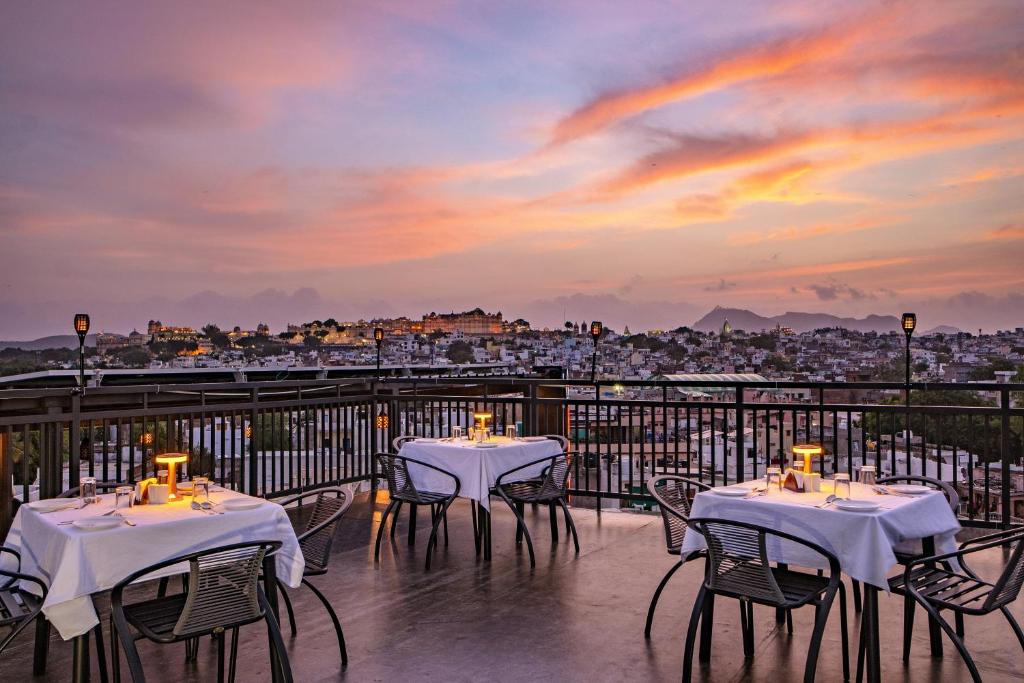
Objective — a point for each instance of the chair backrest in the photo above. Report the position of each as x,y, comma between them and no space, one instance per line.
738,559
556,476
223,589
1007,587
101,487
396,443
673,495
395,470
318,537
562,441
951,494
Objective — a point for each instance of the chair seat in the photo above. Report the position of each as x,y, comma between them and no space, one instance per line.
11,612
530,491
423,497
945,588
796,587
158,615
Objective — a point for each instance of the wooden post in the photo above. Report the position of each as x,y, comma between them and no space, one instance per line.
6,484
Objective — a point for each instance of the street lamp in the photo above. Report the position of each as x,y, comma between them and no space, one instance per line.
596,328
82,329
908,323
378,337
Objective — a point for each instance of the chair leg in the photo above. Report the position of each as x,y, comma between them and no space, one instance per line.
476,525
856,596
288,606
284,667
380,529
821,611
432,542
691,633
707,628
115,656
521,526
747,627
570,524
844,634
553,517
959,620
444,521
521,508
944,625
334,619
908,625
1009,617
657,595
130,651
411,541
234,655
789,621
396,510
219,637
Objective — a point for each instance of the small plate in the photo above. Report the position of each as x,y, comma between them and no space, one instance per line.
98,523
856,505
910,489
731,491
534,439
53,504
246,503
486,445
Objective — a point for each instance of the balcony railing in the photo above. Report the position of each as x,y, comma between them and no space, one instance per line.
274,438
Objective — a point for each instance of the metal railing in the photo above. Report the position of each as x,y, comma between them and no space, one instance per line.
275,438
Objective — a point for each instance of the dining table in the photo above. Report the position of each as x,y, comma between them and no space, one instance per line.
864,540
61,542
478,466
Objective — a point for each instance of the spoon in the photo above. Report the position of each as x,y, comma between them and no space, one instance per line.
828,501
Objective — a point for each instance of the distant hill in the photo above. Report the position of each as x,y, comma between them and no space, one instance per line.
742,319
57,341
943,329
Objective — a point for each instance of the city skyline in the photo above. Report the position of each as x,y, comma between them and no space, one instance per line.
639,164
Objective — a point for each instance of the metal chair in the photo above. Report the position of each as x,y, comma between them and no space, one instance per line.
315,541
932,583
562,441
223,595
673,495
549,488
398,441
402,489
18,607
738,567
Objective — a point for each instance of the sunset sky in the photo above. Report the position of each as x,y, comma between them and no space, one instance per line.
638,162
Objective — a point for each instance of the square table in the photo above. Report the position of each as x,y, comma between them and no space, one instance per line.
864,542
77,564
477,468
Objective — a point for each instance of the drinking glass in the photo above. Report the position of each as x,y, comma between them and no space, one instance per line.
773,477
480,435
456,433
510,431
87,490
842,485
201,489
471,433
123,497
867,475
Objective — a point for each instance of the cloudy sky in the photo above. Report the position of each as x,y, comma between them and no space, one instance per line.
635,161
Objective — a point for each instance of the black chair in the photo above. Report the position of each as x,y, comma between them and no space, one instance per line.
18,607
562,441
673,495
223,595
401,489
315,541
550,488
933,584
738,567
398,441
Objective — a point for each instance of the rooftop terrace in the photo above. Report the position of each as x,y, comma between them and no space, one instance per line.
573,618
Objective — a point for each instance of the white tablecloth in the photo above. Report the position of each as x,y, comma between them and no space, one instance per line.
863,541
476,468
76,563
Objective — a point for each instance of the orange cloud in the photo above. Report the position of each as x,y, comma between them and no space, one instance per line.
1007,232
809,232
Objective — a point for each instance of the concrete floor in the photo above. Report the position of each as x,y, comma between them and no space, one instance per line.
573,618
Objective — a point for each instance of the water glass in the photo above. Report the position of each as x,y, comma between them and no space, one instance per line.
124,497
510,431
87,490
201,489
456,433
842,485
480,435
471,433
867,475
773,477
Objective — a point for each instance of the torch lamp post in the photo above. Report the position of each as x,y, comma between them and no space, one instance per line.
81,329
596,328
908,322
378,338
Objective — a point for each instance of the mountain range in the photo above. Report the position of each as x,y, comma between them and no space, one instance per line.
57,341
748,321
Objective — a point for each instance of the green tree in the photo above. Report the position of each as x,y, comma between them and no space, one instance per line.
459,352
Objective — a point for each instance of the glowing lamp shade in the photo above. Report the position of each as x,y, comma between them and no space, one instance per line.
382,420
596,328
482,418
807,451
908,322
172,460
146,439
378,334
81,324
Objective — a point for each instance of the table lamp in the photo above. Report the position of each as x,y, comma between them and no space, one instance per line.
172,460
482,418
807,451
